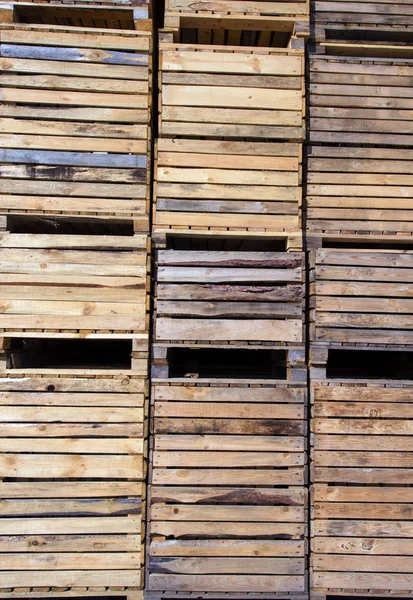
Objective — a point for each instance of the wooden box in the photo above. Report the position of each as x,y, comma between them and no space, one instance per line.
75,121
360,100
365,28
216,92
361,297
83,285
359,191
227,499
229,297
208,183
362,499
72,469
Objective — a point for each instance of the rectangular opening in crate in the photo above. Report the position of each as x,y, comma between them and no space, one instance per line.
367,245
34,353
369,35
370,364
236,244
68,226
224,35
226,363
113,17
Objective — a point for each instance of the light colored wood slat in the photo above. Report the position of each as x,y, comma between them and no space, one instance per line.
226,161
223,529
222,411
227,459
44,398
117,72
226,176
377,581
44,240
70,560
229,583
227,513
115,42
227,565
230,442
228,191
80,98
220,329
70,525
121,577
59,465
72,446
85,144
227,220
229,394
292,476
226,548
72,322
76,414
221,274
71,543
67,489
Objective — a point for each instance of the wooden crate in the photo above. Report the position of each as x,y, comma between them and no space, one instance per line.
227,501
72,471
361,297
359,190
362,499
208,183
360,100
227,297
75,109
215,92
78,284
371,25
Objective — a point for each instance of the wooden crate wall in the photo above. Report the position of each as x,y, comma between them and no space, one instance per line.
74,282
361,296
231,92
366,28
360,101
228,501
228,184
72,470
75,121
361,495
359,190
229,297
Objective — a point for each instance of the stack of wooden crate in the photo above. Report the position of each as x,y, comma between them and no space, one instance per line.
75,158
359,224
227,496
